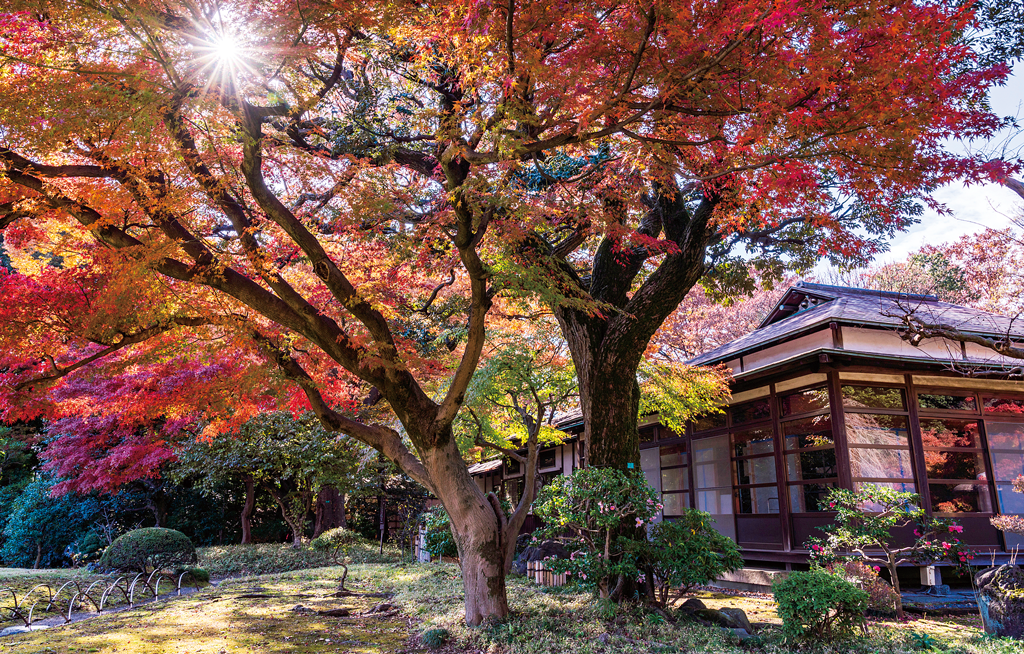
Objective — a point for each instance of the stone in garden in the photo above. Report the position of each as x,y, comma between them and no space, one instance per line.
337,613
718,618
693,604
1001,600
10,631
739,616
940,590
538,552
741,634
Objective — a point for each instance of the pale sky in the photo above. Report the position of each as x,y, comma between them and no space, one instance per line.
975,207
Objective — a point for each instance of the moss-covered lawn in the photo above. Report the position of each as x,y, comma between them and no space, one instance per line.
243,615
253,615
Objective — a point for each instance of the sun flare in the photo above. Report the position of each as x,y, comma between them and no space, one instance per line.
226,50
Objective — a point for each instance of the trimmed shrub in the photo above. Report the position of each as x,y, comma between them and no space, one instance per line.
337,541
819,604
273,558
150,548
687,551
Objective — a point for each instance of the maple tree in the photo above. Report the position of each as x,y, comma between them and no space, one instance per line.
225,208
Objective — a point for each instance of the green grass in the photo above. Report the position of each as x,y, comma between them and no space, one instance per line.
430,597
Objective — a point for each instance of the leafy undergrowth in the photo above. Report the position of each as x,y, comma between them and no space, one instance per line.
272,558
566,620
430,597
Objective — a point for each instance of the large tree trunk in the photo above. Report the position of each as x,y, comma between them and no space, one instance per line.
479,534
247,508
608,347
609,392
330,510
156,500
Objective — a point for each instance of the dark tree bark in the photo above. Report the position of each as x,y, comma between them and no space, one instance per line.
607,349
156,501
294,513
330,510
247,509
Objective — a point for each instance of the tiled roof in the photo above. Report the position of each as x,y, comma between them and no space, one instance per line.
858,307
484,466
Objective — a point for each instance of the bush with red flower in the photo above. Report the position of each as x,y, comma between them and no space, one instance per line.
600,509
864,530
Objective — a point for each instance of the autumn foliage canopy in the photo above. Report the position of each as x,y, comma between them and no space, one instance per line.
211,210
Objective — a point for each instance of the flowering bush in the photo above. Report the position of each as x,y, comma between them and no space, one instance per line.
881,596
598,509
864,524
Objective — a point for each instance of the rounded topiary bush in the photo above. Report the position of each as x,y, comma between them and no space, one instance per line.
150,548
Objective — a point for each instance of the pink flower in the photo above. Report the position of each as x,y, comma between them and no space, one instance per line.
917,533
878,568
583,576
946,545
611,508
639,522
957,528
815,547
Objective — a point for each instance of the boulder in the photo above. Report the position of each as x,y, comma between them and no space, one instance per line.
538,552
693,604
717,618
1001,600
740,634
739,616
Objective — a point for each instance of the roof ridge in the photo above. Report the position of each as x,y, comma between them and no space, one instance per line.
855,290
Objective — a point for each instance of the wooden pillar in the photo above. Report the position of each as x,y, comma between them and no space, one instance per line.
917,447
781,478
835,402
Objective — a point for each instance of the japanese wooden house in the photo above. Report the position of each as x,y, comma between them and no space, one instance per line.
826,393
